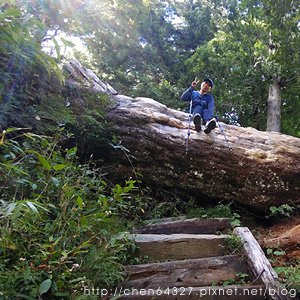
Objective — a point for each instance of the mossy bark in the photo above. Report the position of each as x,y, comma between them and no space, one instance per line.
254,168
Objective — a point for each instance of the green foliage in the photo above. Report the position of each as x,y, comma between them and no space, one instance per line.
288,271
159,47
230,62
290,274
146,58
257,43
284,210
240,279
55,17
25,70
164,209
234,244
59,220
81,114
219,211
275,252
290,113
163,204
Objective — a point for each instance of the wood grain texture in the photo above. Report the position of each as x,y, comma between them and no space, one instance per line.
260,170
185,273
259,264
180,246
193,226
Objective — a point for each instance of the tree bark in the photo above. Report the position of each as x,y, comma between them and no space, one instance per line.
247,166
260,265
274,106
185,273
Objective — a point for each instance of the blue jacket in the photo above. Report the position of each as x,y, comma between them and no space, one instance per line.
203,104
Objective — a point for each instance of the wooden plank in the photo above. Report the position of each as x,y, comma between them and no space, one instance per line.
233,292
189,226
185,273
259,264
163,220
180,246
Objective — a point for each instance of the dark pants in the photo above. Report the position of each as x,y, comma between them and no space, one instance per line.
204,113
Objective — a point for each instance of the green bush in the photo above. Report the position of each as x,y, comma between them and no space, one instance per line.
218,211
59,221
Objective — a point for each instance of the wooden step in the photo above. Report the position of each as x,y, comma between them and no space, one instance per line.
232,292
185,273
189,226
180,246
163,220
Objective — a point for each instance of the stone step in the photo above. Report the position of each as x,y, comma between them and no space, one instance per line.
189,226
180,246
185,273
232,292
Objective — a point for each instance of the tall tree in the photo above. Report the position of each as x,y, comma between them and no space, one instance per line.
143,48
135,50
255,57
196,24
282,18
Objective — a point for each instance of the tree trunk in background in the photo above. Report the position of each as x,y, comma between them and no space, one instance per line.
254,168
274,106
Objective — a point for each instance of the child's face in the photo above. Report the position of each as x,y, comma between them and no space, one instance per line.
205,87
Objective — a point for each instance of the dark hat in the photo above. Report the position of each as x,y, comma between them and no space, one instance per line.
211,83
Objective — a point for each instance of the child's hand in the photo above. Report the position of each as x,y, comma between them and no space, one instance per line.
194,83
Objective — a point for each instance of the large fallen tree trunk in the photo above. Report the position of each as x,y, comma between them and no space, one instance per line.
254,168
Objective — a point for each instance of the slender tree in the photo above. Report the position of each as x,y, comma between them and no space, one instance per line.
282,57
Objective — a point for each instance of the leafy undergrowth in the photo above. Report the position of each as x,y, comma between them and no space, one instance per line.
289,273
281,245
218,211
59,221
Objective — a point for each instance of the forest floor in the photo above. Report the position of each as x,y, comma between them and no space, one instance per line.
285,235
